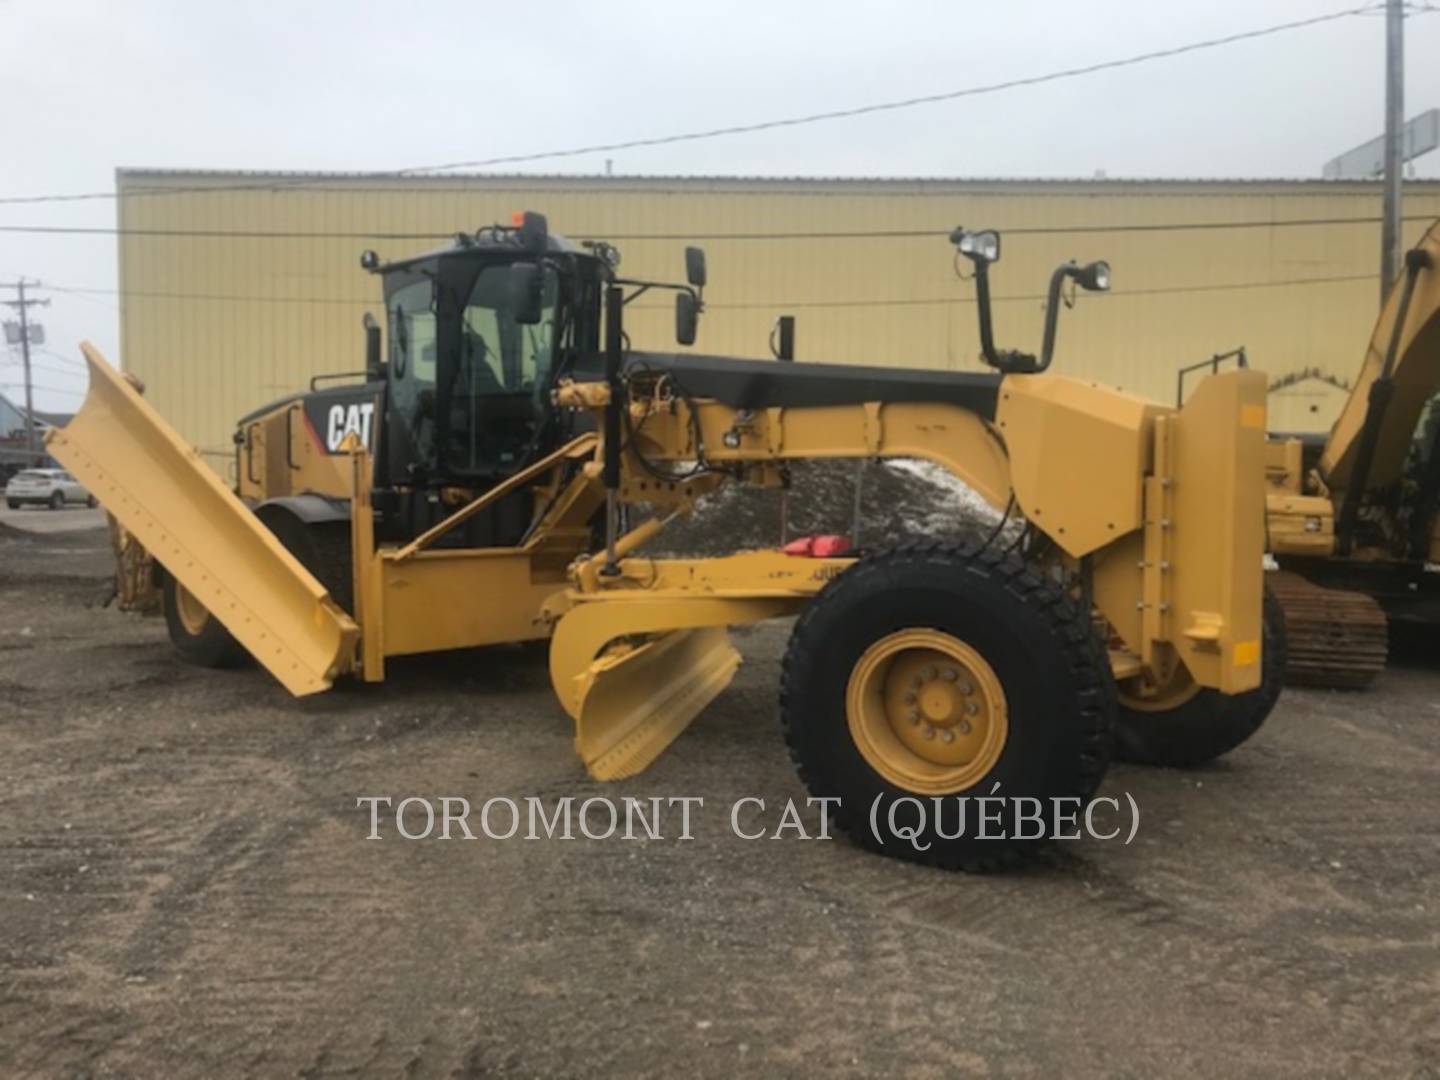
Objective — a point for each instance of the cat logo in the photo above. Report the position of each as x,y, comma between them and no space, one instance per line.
345,419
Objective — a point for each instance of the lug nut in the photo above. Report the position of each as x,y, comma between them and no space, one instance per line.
910,699
971,708
948,735
950,674
930,672
929,732
964,727
966,689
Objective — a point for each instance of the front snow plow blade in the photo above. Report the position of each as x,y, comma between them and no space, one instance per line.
160,490
634,670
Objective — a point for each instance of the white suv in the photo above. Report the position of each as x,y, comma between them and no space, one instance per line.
46,487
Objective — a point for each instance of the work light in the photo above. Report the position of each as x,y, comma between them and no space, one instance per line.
1094,277
983,246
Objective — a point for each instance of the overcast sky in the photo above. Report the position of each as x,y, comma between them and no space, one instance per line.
90,85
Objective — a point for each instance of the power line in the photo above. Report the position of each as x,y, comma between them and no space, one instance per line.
54,369
47,389
1038,297
79,364
805,187
721,306
770,125
846,234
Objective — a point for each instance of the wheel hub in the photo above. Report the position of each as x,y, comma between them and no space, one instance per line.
193,614
926,711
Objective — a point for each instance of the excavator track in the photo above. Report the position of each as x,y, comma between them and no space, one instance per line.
1336,638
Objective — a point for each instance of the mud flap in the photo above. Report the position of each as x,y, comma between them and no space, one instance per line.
634,671
163,493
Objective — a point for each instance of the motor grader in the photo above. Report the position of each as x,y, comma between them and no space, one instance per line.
480,483
1351,519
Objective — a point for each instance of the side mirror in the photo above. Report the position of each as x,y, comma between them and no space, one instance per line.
687,317
374,366
526,293
695,266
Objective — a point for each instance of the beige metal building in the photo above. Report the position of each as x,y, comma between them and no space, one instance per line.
237,287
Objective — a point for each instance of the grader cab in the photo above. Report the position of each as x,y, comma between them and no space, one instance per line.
1116,603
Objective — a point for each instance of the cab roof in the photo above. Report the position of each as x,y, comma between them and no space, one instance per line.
488,240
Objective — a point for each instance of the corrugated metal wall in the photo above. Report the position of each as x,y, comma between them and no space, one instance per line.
219,324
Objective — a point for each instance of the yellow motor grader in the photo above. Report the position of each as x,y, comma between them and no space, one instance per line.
479,484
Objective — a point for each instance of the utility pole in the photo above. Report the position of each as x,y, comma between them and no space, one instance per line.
1394,142
22,304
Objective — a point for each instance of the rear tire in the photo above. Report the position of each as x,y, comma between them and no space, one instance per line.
198,636
1210,723
57,501
13,504
999,635
91,502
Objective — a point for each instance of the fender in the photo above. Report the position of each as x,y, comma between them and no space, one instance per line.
308,507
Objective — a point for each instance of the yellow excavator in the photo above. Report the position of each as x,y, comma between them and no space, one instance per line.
1351,520
479,483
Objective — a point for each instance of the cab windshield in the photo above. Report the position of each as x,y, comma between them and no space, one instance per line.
497,354
469,381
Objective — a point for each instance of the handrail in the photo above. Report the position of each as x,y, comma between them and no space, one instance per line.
571,449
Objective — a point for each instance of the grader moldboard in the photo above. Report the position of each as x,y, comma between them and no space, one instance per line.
469,491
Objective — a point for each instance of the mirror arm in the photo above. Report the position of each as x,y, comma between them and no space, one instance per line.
982,300
642,287
1052,311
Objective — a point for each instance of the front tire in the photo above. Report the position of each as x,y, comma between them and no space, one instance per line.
323,548
198,636
57,501
1208,723
934,671
13,504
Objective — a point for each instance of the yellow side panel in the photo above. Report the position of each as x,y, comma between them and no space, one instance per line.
1299,524
155,485
1078,455
1284,466
1216,541
461,599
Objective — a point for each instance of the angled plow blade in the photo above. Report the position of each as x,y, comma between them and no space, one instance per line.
637,699
151,481
634,671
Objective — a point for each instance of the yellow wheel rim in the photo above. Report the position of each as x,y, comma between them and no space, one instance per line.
193,614
1140,697
926,711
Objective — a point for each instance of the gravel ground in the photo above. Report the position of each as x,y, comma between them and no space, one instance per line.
186,888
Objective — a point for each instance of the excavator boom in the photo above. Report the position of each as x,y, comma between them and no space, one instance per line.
1413,336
